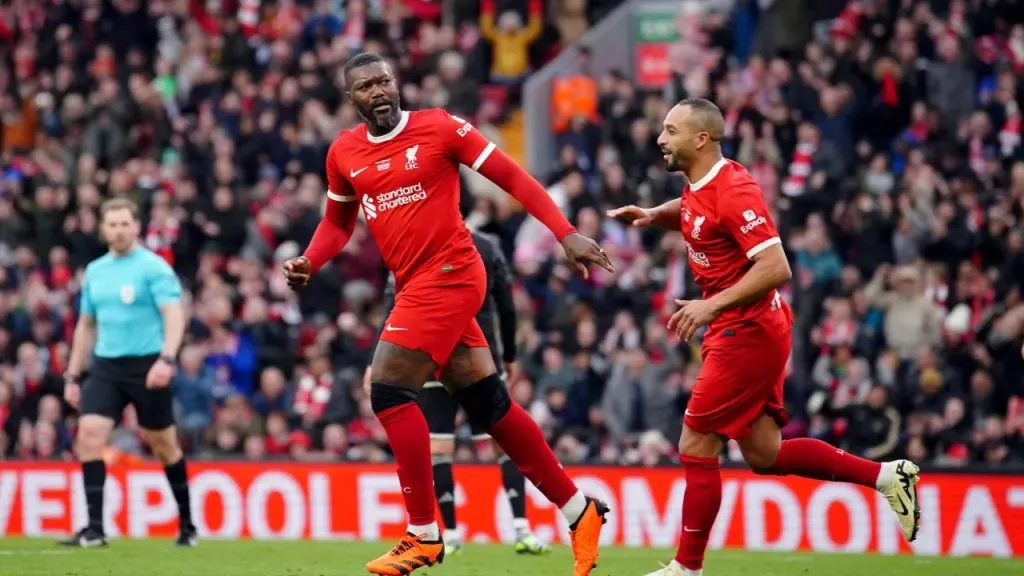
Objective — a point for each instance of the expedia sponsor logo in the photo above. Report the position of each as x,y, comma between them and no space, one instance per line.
752,224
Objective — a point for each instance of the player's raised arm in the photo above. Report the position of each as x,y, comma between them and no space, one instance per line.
334,229
469,147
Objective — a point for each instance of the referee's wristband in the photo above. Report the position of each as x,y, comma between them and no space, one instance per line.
72,378
169,360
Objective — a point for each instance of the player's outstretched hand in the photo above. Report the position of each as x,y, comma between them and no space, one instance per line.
692,314
635,215
581,251
298,271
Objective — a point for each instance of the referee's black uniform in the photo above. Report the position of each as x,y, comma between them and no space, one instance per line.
496,316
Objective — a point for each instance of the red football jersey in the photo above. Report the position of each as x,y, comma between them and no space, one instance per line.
407,183
725,223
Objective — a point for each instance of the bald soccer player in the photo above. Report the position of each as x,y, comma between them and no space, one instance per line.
737,258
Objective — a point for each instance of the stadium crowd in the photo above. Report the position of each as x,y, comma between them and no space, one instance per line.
886,136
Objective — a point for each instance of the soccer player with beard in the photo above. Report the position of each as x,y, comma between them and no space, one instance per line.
401,168
737,258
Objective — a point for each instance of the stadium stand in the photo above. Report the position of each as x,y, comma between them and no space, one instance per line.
887,136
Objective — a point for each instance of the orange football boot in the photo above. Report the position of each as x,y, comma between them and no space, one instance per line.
586,536
410,553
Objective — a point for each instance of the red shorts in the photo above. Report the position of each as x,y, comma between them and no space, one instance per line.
742,379
434,318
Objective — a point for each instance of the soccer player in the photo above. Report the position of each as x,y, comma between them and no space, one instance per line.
441,408
737,258
131,322
402,168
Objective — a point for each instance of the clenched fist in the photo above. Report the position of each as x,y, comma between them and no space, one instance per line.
297,271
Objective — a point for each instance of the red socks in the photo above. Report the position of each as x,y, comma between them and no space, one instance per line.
700,507
805,457
410,442
815,459
523,442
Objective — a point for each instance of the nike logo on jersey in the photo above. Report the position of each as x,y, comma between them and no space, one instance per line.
354,173
391,328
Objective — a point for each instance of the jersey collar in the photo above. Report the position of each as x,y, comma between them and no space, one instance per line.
694,186
394,131
128,252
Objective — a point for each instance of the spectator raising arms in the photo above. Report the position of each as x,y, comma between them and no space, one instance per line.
510,40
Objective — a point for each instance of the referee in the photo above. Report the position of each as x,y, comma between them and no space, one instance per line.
440,408
131,322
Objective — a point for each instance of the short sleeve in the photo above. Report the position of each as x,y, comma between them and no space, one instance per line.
464,143
338,188
744,214
85,304
164,286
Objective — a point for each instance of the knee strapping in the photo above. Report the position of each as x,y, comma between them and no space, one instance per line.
385,396
485,402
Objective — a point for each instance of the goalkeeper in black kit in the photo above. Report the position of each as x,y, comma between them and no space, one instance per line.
497,315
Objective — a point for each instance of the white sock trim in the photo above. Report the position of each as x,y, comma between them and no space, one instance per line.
886,474
520,524
431,530
679,569
575,507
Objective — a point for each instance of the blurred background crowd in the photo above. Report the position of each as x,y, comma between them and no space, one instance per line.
886,135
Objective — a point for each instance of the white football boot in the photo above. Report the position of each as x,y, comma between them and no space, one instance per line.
897,481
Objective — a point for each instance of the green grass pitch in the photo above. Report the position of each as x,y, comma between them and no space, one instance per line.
35,557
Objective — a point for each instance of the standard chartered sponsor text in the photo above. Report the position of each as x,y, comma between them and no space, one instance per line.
400,197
